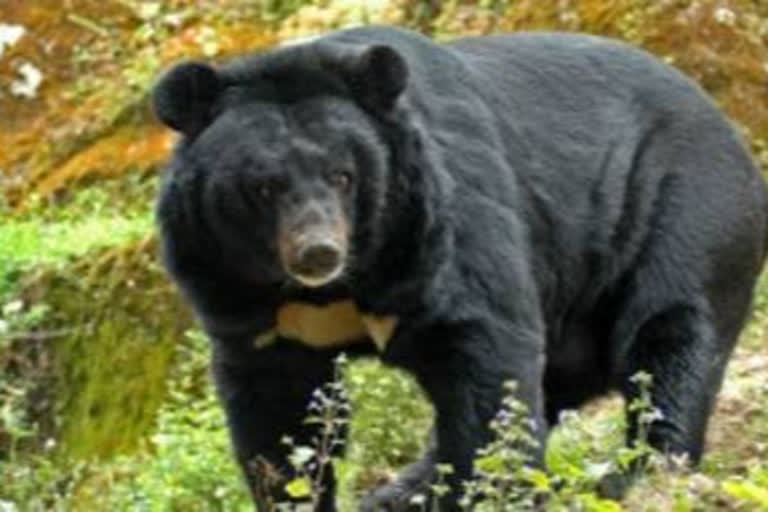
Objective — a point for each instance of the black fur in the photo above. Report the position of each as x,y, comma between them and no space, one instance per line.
183,97
561,210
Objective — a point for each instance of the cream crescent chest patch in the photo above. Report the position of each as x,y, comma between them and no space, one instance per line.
331,325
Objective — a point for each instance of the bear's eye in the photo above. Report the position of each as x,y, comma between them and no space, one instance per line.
341,179
265,190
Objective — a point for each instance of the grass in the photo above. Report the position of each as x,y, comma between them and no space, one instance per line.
55,233
183,465
49,236
38,244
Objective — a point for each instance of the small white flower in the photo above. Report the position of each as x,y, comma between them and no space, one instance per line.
149,10
568,416
13,307
30,81
418,499
208,39
10,35
160,439
174,19
725,16
597,470
302,455
7,506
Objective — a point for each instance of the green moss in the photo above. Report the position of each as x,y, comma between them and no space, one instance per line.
121,321
53,232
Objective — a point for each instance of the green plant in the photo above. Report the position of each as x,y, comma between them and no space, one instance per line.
40,483
53,232
587,455
391,416
581,455
504,479
186,462
329,413
16,328
751,490
639,455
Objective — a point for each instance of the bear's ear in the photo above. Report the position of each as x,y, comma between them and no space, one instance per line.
183,96
376,74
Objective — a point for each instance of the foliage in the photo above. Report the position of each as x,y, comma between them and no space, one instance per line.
390,415
38,483
505,480
54,231
35,241
578,460
59,371
752,490
184,464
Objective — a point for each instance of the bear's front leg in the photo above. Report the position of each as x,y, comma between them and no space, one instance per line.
463,368
265,397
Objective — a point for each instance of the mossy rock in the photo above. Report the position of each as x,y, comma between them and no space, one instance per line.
120,321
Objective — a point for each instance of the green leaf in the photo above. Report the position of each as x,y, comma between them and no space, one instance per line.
592,503
539,479
490,464
747,491
299,488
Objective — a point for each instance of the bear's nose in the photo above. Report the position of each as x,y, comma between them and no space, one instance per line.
319,258
317,263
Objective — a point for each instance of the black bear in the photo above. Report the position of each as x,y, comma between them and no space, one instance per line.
558,210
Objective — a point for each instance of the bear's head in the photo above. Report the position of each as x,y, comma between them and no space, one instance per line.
283,165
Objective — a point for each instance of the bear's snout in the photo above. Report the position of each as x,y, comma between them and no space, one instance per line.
313,243
316,263
317,259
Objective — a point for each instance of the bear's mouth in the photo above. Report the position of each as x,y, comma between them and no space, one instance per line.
318,281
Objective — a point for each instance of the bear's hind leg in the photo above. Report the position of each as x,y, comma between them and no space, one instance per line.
682,351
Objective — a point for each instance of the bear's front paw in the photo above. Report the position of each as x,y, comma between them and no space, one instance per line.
410,491
615,485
